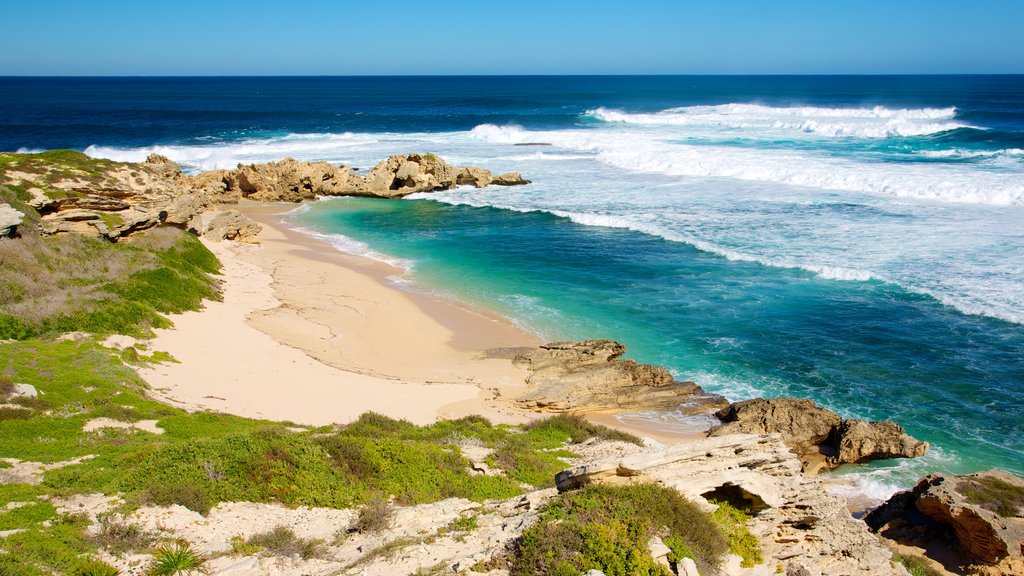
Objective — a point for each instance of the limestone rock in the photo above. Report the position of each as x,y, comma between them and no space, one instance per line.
940,510
226,225
795,520
818,436
589,376
163,166
860,441
469,175
510,179
10,219
407,174
286,181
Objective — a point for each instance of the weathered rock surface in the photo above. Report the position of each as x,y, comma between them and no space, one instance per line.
590,376
799,525
77,194
225,225
818,436
940,510
10,219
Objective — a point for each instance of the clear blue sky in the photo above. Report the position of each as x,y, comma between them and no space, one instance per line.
211,37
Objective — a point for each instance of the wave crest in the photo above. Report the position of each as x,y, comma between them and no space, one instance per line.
876,122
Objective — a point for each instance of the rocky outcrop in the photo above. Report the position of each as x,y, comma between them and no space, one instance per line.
799,525
225,225
818,436
10,219
589,376
76,194
981,515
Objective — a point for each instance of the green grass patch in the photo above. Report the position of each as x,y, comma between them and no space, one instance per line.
73,283
607,528
281,541
995,494
916,566
733,523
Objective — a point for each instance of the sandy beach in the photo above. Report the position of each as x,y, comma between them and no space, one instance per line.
308,334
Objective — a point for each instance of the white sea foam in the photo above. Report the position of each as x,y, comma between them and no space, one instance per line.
352,246
329,147
655,153
877,122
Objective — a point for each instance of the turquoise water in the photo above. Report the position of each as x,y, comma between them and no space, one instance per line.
855,239
865,349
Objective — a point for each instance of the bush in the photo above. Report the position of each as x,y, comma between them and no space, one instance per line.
118,536
190,496
282,541
607,528
742,543
579,429
916,566
376,515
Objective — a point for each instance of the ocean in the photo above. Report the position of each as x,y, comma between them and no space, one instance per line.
857,240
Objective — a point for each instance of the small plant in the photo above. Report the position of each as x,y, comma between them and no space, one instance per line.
461,524
375,516
178,559
6,389
281,541
742,543
93,567
916,566
117,535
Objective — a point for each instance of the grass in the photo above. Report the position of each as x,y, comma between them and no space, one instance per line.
916,566
281,541
607,528
177,559
73,283
118,536
92,567
995,494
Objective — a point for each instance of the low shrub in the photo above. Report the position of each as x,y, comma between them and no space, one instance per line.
282,541
177,559
188,495
742,543
93,567
119,536
916,566
995,494
579,429
607,528
376,515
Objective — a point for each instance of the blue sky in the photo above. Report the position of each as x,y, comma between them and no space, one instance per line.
210,37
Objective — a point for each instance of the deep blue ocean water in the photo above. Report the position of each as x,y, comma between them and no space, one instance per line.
856,240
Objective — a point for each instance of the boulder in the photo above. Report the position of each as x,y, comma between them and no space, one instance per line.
226,225
472,176
981,514
286,181
821,438
509,179
163,166
10,219
590,376
402,175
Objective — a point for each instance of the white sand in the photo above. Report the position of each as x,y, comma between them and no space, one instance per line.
313,336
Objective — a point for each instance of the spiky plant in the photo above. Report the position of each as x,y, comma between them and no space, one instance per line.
178,559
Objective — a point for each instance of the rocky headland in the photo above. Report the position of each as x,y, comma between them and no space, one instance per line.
500,490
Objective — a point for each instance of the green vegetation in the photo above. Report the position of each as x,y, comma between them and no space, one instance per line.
916,566
91,567
995,494
376,515
178,559
281,541
72,283
607,528
742,543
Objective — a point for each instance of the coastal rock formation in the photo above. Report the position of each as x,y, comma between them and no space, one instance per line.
73,193
800,527
818,436
10,219
225,225
590,376
981,515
